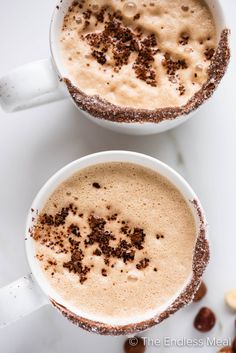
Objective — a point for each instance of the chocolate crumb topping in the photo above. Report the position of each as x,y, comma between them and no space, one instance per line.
209,53
87,14
160,236
184,38
77,255
172,66
101,108
125,229
106,261
143,264
185,8
137,238
143,63
97,252
86,24
113,217
104,272
47,219
136,17
74,230
96,185
68,240
75,265
123,42
99,56
100,16
60,217
52,262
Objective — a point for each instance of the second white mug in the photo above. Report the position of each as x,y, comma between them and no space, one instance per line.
33,291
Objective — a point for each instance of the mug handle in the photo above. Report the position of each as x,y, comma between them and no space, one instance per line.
30,85
19,299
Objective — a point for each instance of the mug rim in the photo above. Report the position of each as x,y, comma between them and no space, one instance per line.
200,252
112,115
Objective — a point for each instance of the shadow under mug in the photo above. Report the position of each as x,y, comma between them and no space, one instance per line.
34,291
42,82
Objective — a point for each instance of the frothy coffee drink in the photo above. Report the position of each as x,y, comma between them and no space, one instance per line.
116,241
143,54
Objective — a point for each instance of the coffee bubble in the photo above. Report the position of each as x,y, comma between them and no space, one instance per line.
188,50
130,9
199,67
95,6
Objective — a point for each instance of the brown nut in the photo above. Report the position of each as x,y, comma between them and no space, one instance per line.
234,345
230,299
200,293
226,349
205,320
134,345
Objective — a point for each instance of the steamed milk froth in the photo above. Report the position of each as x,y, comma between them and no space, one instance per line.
116,240
140,54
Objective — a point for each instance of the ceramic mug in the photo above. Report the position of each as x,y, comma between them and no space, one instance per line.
34,291
42,82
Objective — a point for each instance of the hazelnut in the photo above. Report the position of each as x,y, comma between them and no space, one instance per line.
205,320
230,299
226,349
234,345
200,293
134,345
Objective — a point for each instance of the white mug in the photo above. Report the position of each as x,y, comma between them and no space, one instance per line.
34,291
41,82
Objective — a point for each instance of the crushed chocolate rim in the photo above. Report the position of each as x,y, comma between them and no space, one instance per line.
102,109
201,258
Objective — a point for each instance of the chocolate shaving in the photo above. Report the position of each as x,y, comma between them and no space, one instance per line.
209,53
100,15
184,38
96,185
123,42
143,264
98,235
87,14
74,230
136,17
99,56
60,217
137,238
172,66
185,8
47,219
104,272
97,252
75,265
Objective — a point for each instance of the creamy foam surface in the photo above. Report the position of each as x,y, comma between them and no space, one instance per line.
132,264
130,71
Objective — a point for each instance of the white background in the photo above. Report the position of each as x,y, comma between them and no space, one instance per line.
36,143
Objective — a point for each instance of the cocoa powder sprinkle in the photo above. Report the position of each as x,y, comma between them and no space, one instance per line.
101,108
67,240
122,42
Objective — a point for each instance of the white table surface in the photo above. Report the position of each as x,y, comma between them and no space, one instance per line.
36,143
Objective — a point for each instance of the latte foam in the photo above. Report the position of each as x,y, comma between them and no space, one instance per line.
116,241
140,54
